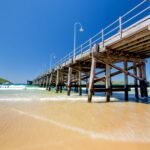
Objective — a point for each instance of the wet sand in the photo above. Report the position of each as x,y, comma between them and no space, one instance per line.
72,125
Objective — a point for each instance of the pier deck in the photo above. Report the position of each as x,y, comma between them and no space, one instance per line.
125,41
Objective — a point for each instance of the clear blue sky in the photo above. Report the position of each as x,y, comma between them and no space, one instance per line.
30,30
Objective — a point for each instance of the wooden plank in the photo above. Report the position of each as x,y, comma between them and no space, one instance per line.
113,89
134,43
138,46
130,39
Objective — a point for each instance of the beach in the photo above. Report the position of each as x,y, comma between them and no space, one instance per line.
38,119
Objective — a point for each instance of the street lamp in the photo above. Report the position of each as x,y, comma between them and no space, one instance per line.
81,30
52,56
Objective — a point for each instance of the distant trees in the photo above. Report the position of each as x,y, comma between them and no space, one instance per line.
2,81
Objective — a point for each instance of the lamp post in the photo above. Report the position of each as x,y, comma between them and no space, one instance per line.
81,30
52,56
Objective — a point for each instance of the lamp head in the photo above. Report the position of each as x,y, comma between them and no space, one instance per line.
81,29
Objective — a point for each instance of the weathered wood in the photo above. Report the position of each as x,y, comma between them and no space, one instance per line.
69,81
61,81
141,83
143,69
112,74
91,82
108,83
118,68
50,81
57,80
112,89
80,88
135,80
47,82
126,80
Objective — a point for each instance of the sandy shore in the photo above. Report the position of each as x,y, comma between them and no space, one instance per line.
36,125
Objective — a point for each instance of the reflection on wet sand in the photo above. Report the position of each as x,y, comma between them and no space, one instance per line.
36,125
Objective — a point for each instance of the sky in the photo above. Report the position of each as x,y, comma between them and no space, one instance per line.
33,30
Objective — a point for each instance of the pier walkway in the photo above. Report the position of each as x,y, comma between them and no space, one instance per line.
120,48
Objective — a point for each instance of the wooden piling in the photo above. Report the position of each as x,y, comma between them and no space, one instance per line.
50,81
80,88
143,69
126,80
135,81
57,81
69,81
61,81
108,83
140,76
91,81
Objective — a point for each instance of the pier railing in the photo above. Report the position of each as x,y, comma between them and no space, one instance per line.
140,11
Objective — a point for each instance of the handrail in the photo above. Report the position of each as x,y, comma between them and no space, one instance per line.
101,36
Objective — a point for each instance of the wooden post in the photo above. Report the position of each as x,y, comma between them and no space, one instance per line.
92,74
57,81
91,82
80,88
145,92
42,81
77,83
141,83
126,80
108,83
135,81
60,84
69,81
47,82
87,84
50,81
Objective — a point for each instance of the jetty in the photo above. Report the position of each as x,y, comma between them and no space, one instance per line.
121,48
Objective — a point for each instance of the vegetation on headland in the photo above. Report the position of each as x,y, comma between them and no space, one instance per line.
2,81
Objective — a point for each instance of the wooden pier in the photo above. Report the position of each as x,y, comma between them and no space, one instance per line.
126,41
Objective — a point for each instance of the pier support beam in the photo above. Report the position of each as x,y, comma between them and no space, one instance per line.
69,81
61,81
57,80
141,82
80,88
108,83
135,81
50,81
91,82
126,80
144,82
87,85
47,82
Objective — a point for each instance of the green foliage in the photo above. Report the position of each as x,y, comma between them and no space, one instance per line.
3,81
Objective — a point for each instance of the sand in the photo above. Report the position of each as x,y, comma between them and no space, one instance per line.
72,125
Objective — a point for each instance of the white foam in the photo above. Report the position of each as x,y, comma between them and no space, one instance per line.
15,99
121,136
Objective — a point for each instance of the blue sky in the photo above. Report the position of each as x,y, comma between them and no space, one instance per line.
30,30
